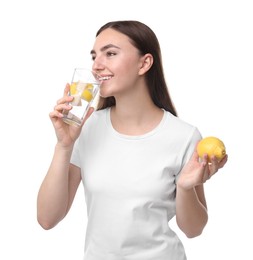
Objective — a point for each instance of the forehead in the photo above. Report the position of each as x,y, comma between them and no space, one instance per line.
112,37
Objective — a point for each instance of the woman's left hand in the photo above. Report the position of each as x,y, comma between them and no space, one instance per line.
197,172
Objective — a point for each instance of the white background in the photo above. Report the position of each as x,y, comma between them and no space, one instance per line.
208,60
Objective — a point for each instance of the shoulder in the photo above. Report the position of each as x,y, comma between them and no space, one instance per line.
100,114
178,123
180,128
95,124
96,118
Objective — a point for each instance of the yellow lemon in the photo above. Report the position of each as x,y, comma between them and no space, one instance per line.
89,86
211,146
87,95
73,88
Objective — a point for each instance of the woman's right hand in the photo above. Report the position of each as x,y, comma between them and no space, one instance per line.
66,134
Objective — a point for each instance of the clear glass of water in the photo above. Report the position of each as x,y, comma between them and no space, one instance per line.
84,88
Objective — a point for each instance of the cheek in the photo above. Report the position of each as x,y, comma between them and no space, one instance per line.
128,74
127,66
108,89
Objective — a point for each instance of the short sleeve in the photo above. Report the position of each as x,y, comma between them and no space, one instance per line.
196,136
189,148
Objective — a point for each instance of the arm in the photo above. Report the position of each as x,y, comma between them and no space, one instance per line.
58,189
191,208
60,184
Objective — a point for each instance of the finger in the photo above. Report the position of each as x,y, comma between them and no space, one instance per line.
61,107
214,165
66,90
223,161
65,99
55,114
205,171
204,158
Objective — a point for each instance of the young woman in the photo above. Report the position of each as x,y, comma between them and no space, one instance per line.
136,159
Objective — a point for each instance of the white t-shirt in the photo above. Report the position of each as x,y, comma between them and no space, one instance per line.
129,184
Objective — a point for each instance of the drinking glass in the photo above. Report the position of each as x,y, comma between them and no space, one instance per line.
84,88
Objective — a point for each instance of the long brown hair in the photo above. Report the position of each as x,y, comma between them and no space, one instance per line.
145,40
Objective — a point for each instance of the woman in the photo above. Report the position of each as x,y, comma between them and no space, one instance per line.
137,160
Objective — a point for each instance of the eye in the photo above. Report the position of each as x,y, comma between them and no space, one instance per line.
93,57
110,53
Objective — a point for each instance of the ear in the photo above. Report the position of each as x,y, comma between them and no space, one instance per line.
145,63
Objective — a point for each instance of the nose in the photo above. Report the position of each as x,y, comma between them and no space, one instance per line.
98,64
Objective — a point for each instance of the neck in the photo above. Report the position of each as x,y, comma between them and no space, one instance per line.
136,115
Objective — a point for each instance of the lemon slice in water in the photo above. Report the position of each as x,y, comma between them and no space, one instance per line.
87,95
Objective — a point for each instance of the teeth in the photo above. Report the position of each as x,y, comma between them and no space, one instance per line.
104,78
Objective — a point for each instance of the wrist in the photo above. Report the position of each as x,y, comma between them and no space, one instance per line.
63,147
184,188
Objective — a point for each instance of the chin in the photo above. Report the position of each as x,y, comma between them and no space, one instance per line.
105,94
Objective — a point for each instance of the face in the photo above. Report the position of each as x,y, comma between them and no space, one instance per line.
117,61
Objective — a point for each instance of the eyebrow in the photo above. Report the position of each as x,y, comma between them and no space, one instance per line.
104,48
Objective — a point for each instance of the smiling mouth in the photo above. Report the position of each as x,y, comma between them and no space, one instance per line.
104,78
